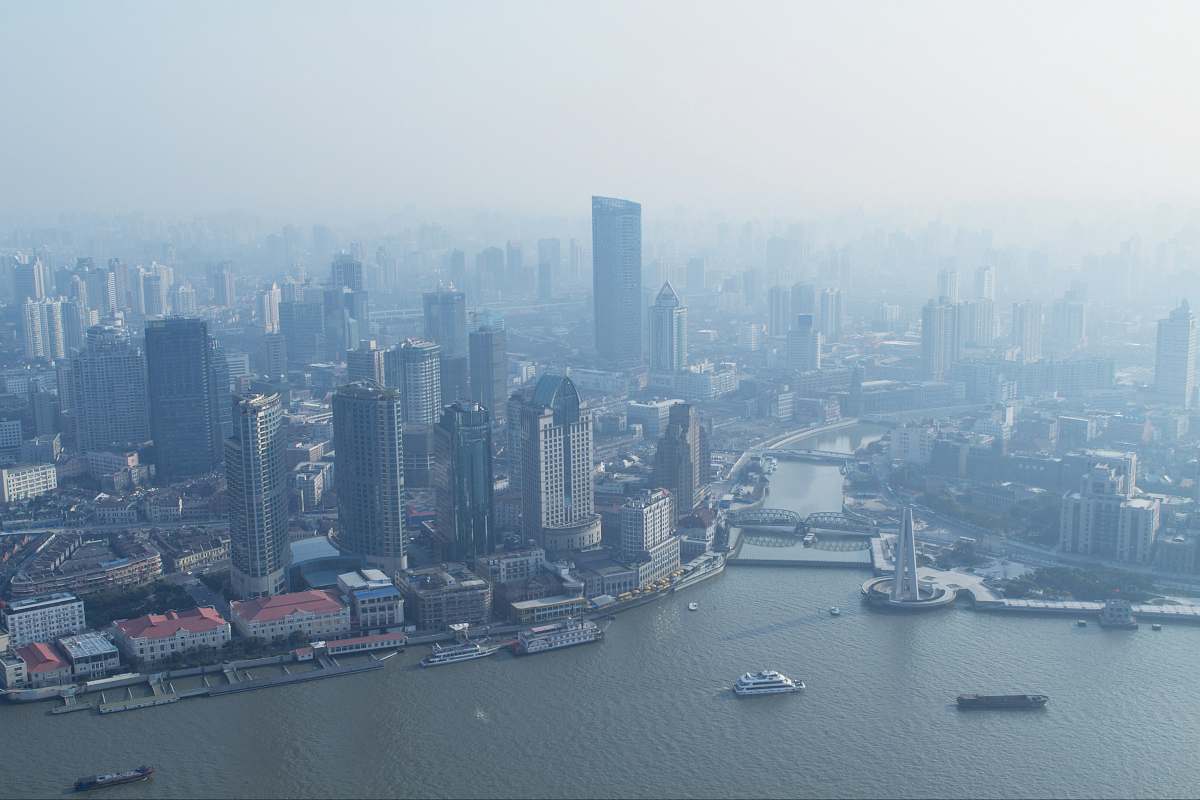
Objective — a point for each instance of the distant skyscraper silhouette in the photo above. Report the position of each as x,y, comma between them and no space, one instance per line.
1175,358
489,370
1027,330
617,280
804,345
940,341
985,283
947,285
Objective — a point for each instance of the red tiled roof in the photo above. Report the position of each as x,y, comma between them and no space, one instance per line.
162,626
41,657
266,609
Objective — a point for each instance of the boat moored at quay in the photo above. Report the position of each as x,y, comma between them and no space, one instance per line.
558,635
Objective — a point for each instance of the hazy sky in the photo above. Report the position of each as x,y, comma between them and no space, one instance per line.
790,107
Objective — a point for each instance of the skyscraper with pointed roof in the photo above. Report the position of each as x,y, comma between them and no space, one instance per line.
668,331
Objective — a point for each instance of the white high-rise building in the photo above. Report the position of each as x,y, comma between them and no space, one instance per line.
556,462
1175,358
414,368
44,335
647,535
257,498
268,308
668,332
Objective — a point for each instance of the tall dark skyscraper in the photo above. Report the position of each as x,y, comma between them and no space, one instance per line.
617,280
489,371
188,385
678,465
462,482
369,474
257,495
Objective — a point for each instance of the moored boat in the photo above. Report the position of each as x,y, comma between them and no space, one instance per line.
467,651
558,635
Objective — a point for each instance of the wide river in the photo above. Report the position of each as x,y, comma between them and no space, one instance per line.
648,713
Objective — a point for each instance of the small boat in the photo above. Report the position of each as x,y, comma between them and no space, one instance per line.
1157,626
1081,623
834,611
467,651
113,779
693,606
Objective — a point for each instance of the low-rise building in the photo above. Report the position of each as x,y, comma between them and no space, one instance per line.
310,479
316,613
546,609
511,566
156,637
44,618
44,665
12,670
375,602
70,563
24,482
436,597
91,654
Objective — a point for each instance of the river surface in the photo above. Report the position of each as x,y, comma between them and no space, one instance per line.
648,713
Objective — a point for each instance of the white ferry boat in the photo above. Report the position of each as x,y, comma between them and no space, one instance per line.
767,681
561,634
452,654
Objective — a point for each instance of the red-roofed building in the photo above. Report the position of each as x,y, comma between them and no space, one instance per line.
316,613
44,665
155,637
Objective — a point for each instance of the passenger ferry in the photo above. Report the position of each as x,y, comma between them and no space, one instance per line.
453,654
558,635
767,681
